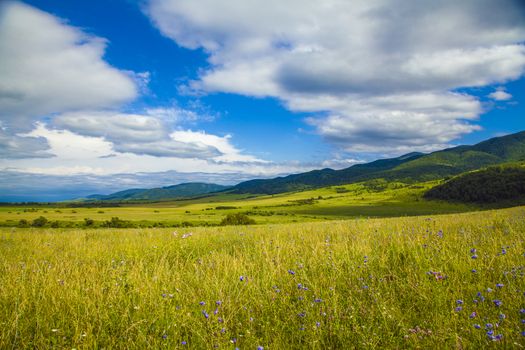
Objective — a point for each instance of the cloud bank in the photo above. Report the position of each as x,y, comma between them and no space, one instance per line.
381,76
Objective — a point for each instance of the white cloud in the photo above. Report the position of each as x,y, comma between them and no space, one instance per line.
500,95
379,72
20,146
47,66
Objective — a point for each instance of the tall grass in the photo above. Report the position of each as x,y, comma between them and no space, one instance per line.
380,283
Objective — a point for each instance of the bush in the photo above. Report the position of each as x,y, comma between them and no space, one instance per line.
39,222
23,223
88,222
237,219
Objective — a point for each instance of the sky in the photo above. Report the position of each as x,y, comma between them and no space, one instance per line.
99,96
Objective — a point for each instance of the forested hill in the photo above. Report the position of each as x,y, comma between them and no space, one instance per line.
490,185
409,168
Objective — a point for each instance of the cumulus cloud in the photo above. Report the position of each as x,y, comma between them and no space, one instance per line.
500,95
379,74
47,66
20,146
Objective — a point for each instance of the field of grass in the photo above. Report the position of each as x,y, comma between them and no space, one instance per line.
370,199
450,281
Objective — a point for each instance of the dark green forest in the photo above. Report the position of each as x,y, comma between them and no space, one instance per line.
490,185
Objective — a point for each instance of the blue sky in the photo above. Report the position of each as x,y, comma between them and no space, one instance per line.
95,94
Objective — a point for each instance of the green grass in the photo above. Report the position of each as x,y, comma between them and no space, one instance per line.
305,285
374,199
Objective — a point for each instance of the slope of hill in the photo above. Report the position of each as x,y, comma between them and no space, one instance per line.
409,168
494,184
170,192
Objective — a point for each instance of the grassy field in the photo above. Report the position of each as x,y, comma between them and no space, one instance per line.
357,200
450,281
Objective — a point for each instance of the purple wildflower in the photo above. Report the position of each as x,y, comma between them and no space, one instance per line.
474,256
473,314
473,250
458,309
218,302
291,272
202,303
241,278
499,285
459,302
477,326
260,348
205,314
183,342
497,302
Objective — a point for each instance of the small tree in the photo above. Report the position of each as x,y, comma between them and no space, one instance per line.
237,219
39,222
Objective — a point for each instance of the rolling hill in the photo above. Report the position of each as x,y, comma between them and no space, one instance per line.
409,168
170,192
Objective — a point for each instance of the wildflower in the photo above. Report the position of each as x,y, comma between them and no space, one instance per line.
498,337
164,336
489,290
260,348
205,314
218,302
489,326
500,285
473,315
216,311
220,320
477,326
318,324
502,316
474,256
473,250
318,300
497,302
183,342
202,303
459,302
523,333
458,309
473,270
302,314
503,251
522,311
241,278
291,272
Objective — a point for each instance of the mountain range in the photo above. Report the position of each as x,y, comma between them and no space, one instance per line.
163,193
409,168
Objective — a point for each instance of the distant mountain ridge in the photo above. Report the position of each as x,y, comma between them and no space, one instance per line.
183,190
411,167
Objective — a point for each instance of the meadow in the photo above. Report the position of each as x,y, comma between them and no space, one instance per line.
367,199
445,281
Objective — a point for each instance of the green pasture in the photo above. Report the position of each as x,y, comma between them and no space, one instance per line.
371,199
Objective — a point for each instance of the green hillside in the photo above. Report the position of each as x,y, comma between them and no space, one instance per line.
494,184
163,193
410,168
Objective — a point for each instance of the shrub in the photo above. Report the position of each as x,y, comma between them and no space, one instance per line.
39,222
23,223
88,222
237,219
